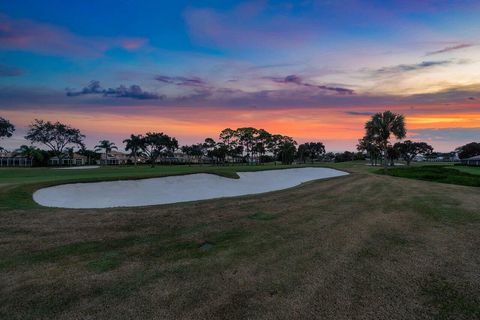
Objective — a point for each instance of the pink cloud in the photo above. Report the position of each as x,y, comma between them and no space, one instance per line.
28,35
245,26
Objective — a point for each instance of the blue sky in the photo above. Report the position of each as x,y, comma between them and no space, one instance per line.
311,69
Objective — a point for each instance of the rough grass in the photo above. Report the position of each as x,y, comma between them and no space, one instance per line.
361,246
437,173
452,300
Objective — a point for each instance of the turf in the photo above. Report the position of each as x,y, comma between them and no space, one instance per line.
453,174
356,247
471,170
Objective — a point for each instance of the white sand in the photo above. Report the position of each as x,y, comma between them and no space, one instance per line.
201,186
78,168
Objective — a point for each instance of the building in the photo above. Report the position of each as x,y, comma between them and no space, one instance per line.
10,159
472,161
115,158
76,160
442,157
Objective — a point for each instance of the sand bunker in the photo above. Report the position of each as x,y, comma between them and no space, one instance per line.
201,186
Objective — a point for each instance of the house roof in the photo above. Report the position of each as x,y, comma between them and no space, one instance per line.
75,156
115,155
473,158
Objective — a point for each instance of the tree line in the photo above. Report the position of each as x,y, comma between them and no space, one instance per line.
242,145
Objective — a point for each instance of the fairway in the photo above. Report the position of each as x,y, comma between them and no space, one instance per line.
340,249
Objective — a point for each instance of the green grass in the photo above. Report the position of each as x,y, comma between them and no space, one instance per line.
441,174
471,170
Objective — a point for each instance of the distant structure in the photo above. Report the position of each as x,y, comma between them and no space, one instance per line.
115,158
472,161
11,159
76,160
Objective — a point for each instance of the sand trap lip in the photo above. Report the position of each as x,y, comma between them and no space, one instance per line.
173,189
78,168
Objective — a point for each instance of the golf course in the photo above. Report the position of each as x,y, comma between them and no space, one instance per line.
396,243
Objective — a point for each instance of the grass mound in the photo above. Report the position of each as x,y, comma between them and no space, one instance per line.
436,174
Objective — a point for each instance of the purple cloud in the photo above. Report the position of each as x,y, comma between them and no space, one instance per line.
28,35
359,113
182,81
299,81
411,67
134,92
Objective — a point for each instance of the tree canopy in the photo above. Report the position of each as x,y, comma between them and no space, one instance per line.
56,136
6,128
135,145
156,144
382,126
469,150
408,149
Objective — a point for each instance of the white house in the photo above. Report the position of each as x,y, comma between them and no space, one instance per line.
76,160
115,157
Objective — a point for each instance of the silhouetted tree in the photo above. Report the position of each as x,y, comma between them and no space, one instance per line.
408,150
106,145
382,126
469,150
30,152
369,145
134,144
287,150
156,144
6,128
56,136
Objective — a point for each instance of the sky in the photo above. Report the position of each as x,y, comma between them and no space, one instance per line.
313,70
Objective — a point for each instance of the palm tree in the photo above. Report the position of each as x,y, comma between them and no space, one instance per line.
30,152
107,146
135,145
382,126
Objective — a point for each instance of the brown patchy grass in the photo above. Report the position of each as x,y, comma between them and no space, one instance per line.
358,247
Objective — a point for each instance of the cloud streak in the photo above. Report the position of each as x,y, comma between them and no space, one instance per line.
299,81
134,92
451,48
359,113
182,81
402,68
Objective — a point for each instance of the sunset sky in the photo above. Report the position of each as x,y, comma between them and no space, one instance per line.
314,70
